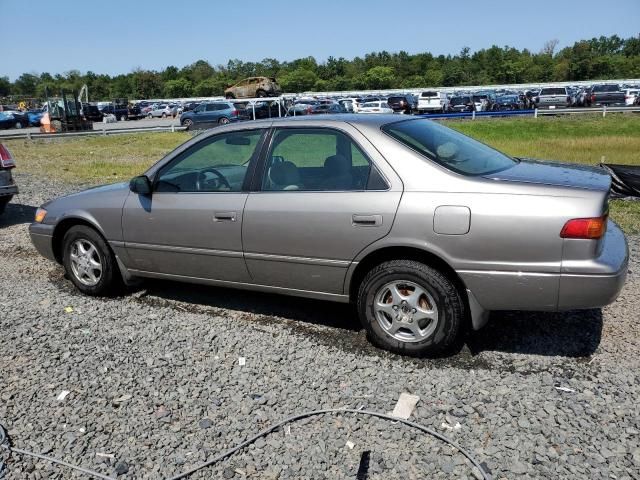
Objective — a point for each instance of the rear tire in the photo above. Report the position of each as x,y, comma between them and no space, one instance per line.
424,317
223,120
229,96
261,94
89,262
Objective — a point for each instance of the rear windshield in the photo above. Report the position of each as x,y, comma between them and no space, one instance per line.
605,88
460,100
429,94
449,148
553,91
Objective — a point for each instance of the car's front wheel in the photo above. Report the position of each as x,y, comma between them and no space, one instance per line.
410,308
89,262
188,123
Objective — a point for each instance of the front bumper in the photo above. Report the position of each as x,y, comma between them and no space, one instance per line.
597,282
42,238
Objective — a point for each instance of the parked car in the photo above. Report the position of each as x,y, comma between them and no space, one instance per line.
207,115
483,101
34,117
119,108
8,187
92,112
350,104
159,111
401,103
431,101
460,104
346,211
630,95
327,108
134,112
254,87
259,110
553,97
13,119
379,106
509,102
606,94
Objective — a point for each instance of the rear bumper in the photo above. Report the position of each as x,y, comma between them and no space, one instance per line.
42,238
8,190
585,284
597,282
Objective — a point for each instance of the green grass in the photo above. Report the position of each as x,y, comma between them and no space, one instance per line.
584,139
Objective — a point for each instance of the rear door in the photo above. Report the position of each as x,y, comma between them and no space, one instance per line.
320,201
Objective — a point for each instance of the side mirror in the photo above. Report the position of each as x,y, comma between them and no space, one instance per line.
140,185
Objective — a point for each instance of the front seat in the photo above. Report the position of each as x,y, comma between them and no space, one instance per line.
337,173
284,176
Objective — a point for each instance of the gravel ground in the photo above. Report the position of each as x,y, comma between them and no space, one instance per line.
156,385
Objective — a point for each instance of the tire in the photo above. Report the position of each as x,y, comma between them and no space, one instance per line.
90,248
164,115
229,96
18,125
4,201
261,94
149,116
188,123
223,121
439,299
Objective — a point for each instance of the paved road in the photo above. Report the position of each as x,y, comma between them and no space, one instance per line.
143,123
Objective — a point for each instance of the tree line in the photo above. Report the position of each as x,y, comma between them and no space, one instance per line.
598,58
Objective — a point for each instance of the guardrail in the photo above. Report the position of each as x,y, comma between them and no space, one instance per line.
96,132
534,113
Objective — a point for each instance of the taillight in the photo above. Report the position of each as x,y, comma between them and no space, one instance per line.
593,97
6,159
585,228
234,113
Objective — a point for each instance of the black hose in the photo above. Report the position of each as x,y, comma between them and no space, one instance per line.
227,453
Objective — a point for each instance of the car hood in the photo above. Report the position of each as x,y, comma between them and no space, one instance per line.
93,192
555,173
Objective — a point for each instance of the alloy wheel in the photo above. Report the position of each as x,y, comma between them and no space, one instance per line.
405,311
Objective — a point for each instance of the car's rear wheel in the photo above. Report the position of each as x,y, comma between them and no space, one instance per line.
223,120
410,308
89,262
149,115
261,94
229,96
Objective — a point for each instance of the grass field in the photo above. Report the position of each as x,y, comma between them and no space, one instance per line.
581,139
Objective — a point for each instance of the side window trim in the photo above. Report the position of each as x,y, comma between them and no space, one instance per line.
259,170
253,161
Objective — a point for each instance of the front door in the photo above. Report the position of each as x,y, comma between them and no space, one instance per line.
191,224
321,201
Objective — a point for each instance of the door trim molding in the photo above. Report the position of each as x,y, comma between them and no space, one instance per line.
304,260
189,250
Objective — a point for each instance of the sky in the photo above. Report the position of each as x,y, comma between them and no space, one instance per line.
117,36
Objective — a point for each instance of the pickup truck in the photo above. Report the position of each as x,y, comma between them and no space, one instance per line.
606,94
552,97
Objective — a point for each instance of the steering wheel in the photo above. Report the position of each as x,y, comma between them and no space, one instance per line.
220,180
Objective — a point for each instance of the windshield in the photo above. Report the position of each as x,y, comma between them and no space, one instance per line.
449,148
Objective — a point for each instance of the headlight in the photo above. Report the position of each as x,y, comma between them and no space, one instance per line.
40,214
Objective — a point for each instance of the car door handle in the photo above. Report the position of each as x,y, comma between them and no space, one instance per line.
224,217
366,220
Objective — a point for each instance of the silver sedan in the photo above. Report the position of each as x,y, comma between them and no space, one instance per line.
420,226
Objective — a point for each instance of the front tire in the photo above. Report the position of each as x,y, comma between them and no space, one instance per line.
410,308
89,262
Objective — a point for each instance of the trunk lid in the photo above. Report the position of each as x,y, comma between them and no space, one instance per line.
556,174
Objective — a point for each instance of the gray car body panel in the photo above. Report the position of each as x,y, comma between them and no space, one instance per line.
500,232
